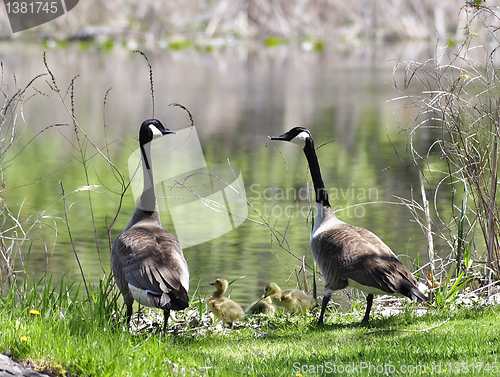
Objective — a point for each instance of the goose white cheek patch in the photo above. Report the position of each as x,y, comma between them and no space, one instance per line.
156,131
300,139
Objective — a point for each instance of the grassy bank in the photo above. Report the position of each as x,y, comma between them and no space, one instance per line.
50,329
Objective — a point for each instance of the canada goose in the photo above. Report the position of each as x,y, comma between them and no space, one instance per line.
224,308
348,255
292,300
147,261
264,305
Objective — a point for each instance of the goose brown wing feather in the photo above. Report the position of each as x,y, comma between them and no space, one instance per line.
350,252
152,260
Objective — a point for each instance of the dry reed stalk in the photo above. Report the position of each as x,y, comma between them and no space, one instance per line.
459,98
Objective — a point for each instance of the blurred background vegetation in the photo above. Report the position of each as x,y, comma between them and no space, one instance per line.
156,20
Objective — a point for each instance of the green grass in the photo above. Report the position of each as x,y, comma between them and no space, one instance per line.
76,338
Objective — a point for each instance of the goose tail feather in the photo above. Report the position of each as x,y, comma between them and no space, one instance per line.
413,293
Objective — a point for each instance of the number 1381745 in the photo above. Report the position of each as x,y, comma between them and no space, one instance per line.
31,7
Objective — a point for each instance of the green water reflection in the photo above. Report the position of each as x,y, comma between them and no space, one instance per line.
237,99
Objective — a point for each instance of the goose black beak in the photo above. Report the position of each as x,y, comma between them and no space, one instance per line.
280,137
212,283
167,131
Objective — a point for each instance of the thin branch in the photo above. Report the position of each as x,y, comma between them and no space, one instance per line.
408,330
71,240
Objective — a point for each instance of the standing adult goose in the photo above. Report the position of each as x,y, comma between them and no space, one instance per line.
147,261
348,255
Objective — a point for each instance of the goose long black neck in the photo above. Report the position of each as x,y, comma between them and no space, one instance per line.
146,209
319,186
148,198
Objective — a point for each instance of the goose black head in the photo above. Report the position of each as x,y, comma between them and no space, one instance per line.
150,129
297,135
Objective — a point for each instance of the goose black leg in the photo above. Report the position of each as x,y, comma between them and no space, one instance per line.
129,314
324,303
369,302
166,315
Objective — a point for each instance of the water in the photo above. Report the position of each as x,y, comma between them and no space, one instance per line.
237,97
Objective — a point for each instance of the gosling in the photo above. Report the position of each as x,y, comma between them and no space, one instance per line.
293,300
263,306
224,308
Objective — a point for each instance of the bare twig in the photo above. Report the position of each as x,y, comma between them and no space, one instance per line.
185,109
492,202
406,330
150,80
428,231
71,240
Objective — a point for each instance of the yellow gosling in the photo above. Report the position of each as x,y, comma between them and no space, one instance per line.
292,300
264,305
224,308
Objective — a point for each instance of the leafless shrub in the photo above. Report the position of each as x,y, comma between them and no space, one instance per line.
18,230
12,232
454,140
